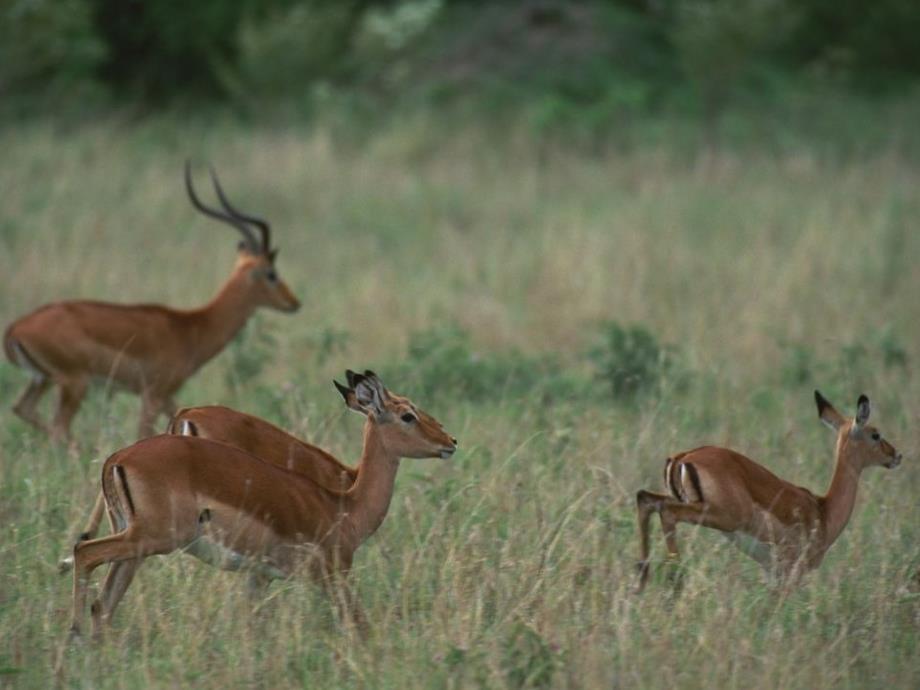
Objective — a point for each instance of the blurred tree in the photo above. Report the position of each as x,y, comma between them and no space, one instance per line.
159,49
874,44
47,46
719,41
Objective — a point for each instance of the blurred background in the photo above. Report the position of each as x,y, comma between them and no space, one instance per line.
595,72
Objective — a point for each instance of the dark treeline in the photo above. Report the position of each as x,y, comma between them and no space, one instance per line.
637,53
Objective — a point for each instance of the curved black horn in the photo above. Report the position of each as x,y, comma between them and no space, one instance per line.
248,238
264,229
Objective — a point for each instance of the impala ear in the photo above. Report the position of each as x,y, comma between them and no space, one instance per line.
350,377
351,400
369,392
827,413
862,410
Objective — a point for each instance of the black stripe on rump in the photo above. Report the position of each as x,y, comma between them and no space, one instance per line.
124,483
695,480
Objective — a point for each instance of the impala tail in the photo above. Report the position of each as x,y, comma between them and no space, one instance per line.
118,495
180,426
683,480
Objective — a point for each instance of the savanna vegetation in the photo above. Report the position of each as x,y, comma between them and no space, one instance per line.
578,270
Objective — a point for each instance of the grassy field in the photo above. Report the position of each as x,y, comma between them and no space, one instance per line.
482,277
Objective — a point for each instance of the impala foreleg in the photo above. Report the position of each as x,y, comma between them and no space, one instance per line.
151,407
71,396
333,575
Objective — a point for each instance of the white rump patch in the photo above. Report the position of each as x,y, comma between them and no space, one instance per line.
22,359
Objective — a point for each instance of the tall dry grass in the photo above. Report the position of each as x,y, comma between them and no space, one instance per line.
511,565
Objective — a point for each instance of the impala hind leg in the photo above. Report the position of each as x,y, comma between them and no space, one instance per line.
92,526
647,504
671,512
126,545
116,584
25,406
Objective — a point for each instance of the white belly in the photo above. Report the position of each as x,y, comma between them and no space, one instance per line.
754,548
220,556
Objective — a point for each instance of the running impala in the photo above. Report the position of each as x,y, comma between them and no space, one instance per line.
234,511
256,436
785,528
148,349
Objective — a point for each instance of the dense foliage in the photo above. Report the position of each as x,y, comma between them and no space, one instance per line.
594,54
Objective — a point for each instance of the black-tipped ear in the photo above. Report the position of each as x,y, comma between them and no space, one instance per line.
351,398
369,374
827,413
821,402
862,410
344,390
350,377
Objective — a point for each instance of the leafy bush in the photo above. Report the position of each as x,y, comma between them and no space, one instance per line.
630,359
443,361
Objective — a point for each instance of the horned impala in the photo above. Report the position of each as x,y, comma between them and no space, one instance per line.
233,510
256,436
148,349
785,528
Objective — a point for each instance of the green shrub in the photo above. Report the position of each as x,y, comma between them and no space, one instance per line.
630,359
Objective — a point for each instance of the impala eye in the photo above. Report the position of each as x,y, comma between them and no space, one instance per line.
408,418
271,276
876,436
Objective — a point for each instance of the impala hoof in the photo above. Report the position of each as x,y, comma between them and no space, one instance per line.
65,564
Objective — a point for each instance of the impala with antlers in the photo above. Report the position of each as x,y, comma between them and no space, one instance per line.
234,510
256,436
785,528
148,349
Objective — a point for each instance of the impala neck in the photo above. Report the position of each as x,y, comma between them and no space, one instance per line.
840,498
370,495
221,318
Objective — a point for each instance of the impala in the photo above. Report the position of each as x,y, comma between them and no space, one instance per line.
148,349
234,510
255,436
785,528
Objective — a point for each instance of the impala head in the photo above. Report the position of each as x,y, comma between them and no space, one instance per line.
406,430
257,257
863,442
